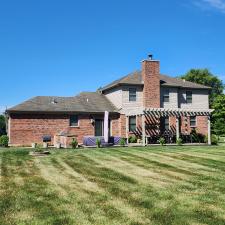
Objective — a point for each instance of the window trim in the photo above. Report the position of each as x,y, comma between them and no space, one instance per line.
195,121
187,97
132,124
166,95
78,121
132,94
167,117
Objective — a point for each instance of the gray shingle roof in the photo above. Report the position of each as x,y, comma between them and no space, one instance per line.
136,79
92,102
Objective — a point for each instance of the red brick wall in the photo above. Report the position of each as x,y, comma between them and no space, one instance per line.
122,126
201,125
25,129
150,76
28,128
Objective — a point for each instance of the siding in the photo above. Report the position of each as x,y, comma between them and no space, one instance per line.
200,99
126,104
115,96
173,103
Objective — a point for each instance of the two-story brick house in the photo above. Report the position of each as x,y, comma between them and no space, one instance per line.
144,103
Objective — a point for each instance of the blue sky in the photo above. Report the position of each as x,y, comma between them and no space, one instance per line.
64,47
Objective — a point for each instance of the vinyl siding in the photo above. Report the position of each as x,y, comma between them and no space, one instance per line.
173,99
200,99
115,96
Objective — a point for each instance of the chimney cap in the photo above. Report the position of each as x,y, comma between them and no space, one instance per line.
150,56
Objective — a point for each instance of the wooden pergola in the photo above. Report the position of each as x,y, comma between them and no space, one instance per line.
164,112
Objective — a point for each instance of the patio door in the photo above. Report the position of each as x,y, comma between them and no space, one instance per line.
99,127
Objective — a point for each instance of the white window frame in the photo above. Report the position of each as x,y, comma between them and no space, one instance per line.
129,124
195,121
165,94
78,121
191,98
130,90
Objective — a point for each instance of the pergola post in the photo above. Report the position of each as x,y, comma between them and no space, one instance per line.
209,131
177,128
143,129
127,127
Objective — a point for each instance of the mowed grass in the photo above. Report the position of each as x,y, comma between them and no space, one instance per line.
152,185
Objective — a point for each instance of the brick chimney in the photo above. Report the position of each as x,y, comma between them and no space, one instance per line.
150,77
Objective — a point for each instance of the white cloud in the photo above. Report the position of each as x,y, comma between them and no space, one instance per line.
211,4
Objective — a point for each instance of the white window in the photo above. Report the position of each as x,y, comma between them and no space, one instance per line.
74,120
132,94
192,121
188,97
132,123
166,95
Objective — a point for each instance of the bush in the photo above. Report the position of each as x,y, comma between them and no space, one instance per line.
179,141
162,141
98,142
197,137
122,142
4,141
74,143
132,139
214,139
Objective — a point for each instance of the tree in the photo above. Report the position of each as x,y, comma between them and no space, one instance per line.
2,125
218,116
205,77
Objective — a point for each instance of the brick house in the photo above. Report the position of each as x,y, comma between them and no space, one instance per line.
144,103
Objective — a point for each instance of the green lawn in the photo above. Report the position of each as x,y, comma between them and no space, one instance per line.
154,185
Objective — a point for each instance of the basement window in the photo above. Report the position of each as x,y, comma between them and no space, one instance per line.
132,123
188,97
74,121
192,121
132,94
166,95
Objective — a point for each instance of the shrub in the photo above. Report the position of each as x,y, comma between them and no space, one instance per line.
214,139
197,137
179,141
4,141
132,139
162,141
122,142
74,143
98,142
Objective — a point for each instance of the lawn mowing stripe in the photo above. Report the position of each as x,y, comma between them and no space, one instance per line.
218,165
149,163
140,171
144,201
31,195
107,209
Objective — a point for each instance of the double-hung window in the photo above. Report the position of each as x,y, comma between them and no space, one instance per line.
188,97
166,123
132,94
132,123
192,121
166,95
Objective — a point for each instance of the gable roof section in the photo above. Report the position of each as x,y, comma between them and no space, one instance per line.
92,102
135,78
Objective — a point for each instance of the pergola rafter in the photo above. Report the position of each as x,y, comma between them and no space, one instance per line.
164,112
